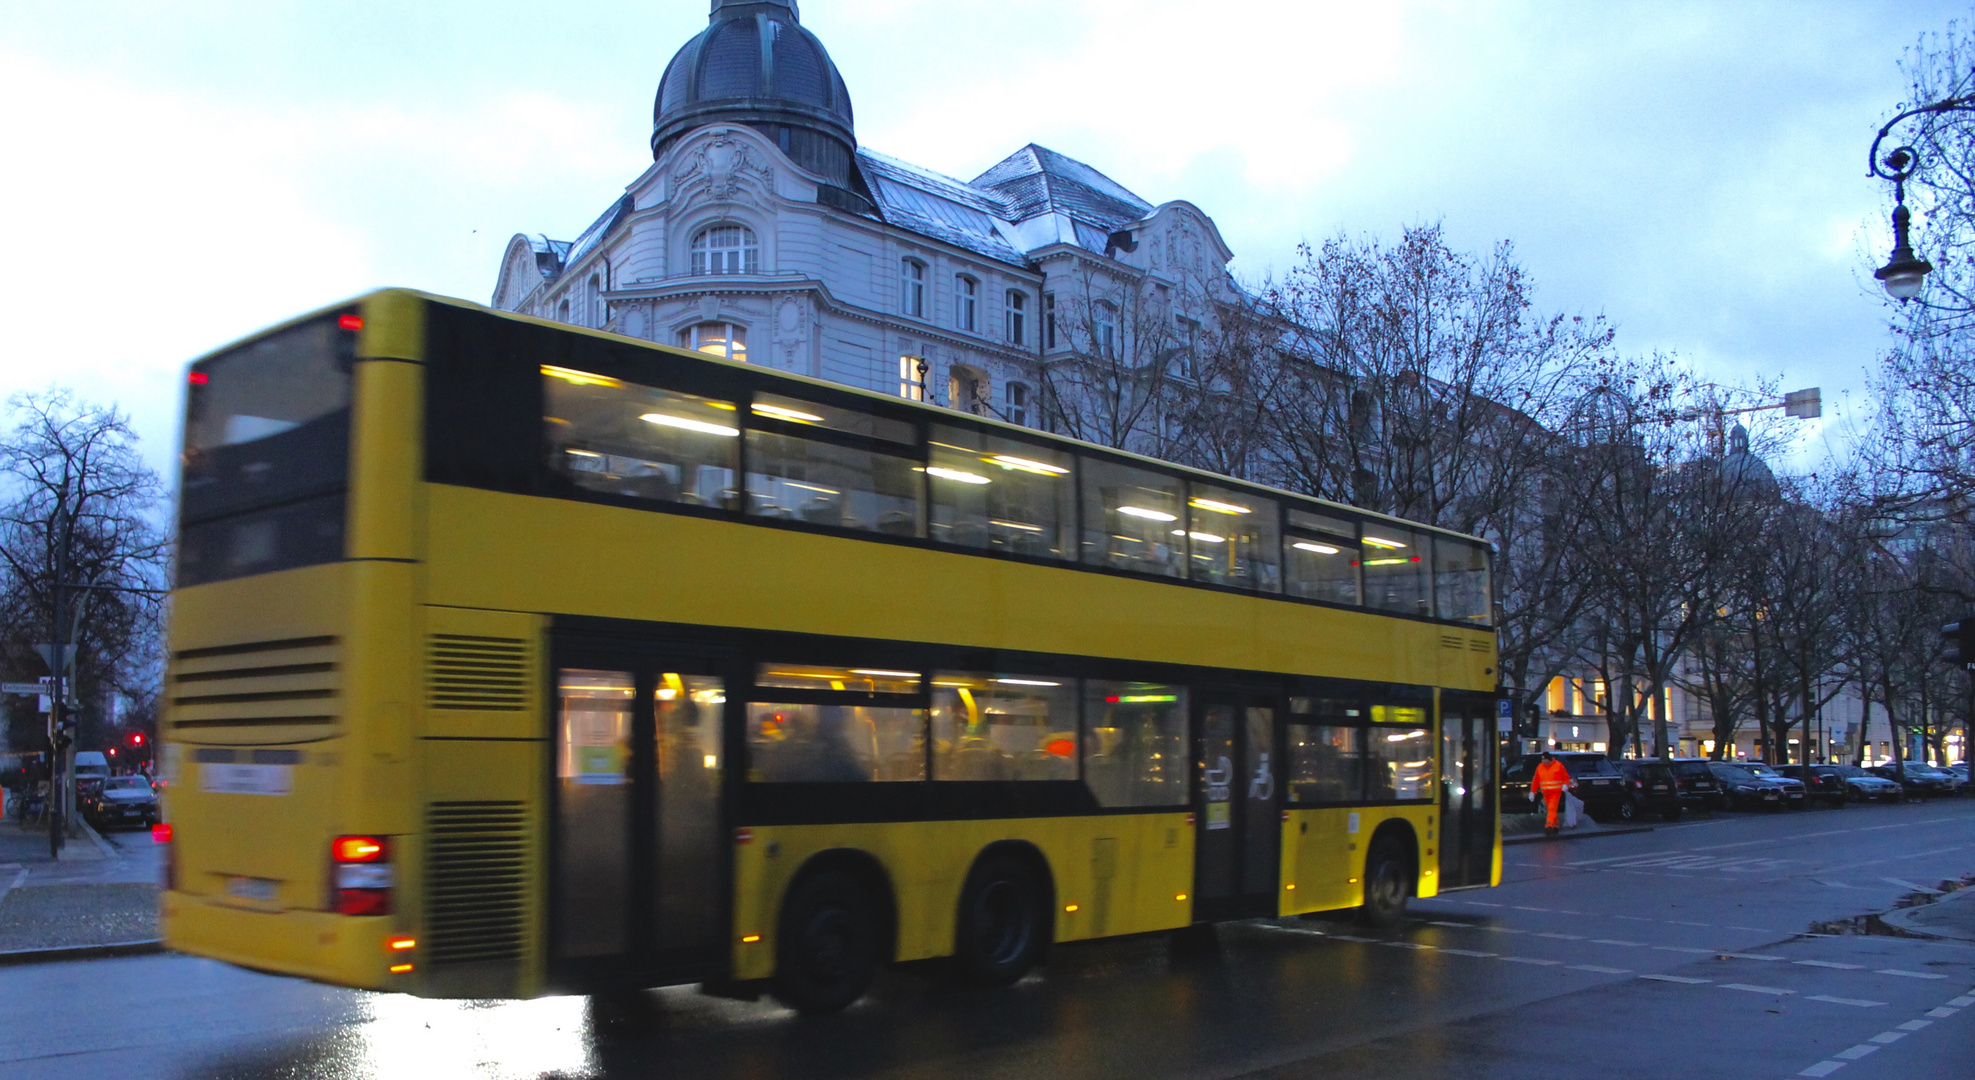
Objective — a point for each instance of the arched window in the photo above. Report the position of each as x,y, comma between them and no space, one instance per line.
1013,314
726,249
966,390
717,339
965,302
912,287
1016,403
593,303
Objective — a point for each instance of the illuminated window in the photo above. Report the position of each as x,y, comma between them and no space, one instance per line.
1460,580
1134,519
1000,494
639,441
1135,750
912,378
1326,751
1014,311
724,340
1395,566
726,249
966,302
1401,753
1004,727
1231,539
912,287
1320,558
967,390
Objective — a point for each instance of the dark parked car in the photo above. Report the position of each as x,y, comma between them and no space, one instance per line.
1820,782
1654,790
1745,787
1862,786
1919,781
1698,786
1603,791
124,800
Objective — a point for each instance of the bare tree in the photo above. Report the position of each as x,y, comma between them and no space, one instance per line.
80,500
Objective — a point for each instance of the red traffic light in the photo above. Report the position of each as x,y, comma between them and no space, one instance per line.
137,738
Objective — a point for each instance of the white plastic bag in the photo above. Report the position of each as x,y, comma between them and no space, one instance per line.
1572,807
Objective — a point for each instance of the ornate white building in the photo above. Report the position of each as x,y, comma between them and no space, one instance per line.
763,232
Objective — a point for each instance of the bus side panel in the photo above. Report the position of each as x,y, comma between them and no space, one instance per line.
1325,859
1125,874
481,922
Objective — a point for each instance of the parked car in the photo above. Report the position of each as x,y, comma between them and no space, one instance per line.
1820,783
1699,788
1862,786
1654,790
1604,792
1918,781
1744,787
123,800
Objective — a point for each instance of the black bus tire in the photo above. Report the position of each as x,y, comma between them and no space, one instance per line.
1001,929
1386,885
826,949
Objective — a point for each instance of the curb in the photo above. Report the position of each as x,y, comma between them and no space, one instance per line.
82,952
1541,839
1902,918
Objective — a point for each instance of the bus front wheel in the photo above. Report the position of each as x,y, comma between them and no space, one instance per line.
1386,885
827,947
1000,932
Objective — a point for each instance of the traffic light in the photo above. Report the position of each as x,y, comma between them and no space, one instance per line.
136,739
1958,643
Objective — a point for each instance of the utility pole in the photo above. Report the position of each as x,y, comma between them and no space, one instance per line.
59,738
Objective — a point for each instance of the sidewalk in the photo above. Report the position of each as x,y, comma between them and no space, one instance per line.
1528,829
1951,916
100,895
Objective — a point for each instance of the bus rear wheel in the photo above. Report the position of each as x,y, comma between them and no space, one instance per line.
827,946
1000,933
1386,886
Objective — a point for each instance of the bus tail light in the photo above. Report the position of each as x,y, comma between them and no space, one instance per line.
363,875
161,834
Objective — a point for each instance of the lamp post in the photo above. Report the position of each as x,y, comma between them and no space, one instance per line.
1905,272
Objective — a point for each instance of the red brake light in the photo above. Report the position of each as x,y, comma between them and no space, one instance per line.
350,322
358,849
197,378
161,832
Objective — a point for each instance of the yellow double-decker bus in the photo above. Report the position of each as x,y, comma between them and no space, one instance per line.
511,658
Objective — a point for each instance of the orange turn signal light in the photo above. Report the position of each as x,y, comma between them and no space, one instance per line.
400,944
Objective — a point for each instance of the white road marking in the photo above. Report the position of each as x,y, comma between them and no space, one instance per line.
1885,1037
1455,925
1829,964
1756,989
1857,1052
1615,941
1916,1025
1520,907
1482,903
1563,937
1753,956
1683,948
1836,884
1681,979
1860,1002
1942,1014
1963,1001
1601,970
1353,937
1467,952
1531,960
1908,974
1823,1068
1405,945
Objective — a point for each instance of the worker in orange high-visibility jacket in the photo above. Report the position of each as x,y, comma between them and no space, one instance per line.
1550,783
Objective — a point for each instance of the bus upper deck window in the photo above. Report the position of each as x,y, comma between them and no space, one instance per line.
1460,580
617,438
1000,494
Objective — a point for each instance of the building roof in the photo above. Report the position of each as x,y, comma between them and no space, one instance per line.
1036,180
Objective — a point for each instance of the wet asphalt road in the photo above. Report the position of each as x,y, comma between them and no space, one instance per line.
1681,952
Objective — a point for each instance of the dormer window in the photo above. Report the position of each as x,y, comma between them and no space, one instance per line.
966,296
912,287
726,249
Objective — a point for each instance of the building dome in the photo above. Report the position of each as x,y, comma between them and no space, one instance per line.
755,65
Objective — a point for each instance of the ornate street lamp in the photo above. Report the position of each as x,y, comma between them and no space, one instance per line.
1905,272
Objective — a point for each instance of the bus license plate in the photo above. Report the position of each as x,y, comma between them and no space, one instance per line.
260,890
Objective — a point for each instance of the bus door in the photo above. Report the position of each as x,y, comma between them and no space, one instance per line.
639,878
1237,806
1467,790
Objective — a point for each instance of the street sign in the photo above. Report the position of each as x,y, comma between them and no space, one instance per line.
1804,404
1505,715
23,688
47,653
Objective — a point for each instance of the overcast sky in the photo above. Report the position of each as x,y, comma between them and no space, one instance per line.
180,174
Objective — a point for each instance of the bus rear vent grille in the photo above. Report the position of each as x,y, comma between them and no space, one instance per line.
480,673
474,890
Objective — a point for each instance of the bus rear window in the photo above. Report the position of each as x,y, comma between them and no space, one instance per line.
267,436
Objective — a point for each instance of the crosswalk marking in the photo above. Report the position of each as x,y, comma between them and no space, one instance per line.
1823,1068
1859,1002
1829,964
1857,1052
1756,989
1531,960
1681,979
1601,970
1909,974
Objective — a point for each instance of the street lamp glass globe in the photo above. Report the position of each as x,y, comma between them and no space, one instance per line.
1904,282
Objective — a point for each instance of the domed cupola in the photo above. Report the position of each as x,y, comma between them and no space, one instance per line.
755,65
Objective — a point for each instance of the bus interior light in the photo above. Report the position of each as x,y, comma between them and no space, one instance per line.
1321,549
1015,525
884,674
1041,468
1026,682
1381,542
777,412
1219,507
579,378
686,423
1149,515
957,475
